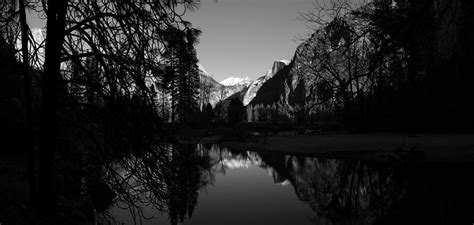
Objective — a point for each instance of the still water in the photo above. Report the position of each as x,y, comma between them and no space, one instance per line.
209,184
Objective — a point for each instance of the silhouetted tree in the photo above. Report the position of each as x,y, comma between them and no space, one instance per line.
220,113
14,27
208,114
185,83
366,54
56,16
236,111
126,43
168,182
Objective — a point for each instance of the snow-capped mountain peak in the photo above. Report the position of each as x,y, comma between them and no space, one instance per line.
231,81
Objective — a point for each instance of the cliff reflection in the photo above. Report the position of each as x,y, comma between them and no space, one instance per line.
338,191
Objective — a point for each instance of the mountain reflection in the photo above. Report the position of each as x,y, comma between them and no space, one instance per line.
338,191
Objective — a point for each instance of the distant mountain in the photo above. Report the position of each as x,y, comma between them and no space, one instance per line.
210,89
292,85
257,84
247,92
231,81
274,90
202,71
213,92
206,77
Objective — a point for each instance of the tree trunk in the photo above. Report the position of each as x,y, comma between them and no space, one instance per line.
28,105
54,39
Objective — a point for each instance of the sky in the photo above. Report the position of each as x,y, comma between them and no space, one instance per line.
243,37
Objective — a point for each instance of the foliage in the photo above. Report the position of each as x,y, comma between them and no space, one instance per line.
208,114
102,65
363,55
236,111
185,82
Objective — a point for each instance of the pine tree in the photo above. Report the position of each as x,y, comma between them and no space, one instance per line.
184,83
236,111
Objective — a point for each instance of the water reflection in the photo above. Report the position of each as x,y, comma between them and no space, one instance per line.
340,191
166,180
235,187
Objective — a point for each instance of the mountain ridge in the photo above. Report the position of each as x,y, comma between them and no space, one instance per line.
231,81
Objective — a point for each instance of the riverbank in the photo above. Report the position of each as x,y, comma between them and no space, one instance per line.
428,147
249,131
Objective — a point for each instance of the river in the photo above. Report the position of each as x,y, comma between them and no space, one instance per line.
210,184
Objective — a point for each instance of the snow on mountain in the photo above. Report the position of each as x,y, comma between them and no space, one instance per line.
231,81
213,92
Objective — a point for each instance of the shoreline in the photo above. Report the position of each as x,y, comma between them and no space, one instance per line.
426,147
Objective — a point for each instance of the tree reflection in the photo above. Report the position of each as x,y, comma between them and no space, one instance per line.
168,180
340,191
186,177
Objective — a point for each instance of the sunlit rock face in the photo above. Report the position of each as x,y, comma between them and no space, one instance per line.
253,89
244,90
38,44
211,87
238,88
289,80
257,84
312,80
279,65
274,89
39,34
217,92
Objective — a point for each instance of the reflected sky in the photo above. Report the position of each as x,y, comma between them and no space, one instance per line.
213,185
248,195
243,192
